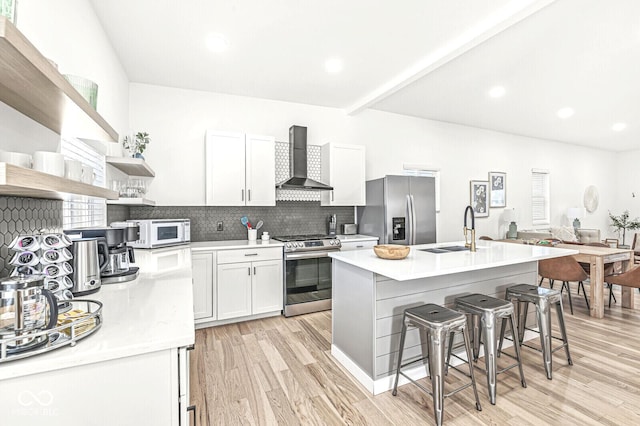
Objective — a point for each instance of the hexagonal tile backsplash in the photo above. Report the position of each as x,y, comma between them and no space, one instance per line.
286,218
20,216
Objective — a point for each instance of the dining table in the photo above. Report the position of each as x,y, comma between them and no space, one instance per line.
597,258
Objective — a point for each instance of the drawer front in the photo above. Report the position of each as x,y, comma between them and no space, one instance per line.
249,255
357,245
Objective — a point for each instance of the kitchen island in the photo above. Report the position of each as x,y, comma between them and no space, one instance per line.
133,370
370,295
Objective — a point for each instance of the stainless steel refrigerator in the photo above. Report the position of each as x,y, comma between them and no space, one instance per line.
400,210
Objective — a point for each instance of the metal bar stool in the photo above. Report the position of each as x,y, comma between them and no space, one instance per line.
542,298
484,311
437,322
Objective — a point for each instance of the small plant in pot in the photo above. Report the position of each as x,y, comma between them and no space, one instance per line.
136,144
622,223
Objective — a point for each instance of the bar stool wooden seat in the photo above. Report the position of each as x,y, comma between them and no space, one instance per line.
484,311
543,298
438,323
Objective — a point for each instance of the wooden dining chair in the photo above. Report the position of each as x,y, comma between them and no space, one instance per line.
636,248
565,269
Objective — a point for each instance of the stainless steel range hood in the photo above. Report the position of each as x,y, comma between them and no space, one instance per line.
298,163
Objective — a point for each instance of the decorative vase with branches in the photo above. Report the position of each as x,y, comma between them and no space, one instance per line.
137,143
622,223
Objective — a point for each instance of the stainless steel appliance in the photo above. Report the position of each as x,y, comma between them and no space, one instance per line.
349,229
307,270
399,210
119,256
90,259
162,232
332,225
298,164
23,312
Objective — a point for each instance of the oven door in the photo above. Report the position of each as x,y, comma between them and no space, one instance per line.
166,233
307,281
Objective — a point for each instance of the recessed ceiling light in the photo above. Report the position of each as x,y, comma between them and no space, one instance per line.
217,43
497,92
565,112
333,65
618,127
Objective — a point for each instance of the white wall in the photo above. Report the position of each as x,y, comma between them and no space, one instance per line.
628,188
69,33
177,120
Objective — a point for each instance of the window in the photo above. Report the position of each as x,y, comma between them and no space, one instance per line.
78,210
540,199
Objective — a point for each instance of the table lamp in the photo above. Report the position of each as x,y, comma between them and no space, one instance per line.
511,216
575,213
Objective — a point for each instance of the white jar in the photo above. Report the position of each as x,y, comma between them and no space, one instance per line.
265,236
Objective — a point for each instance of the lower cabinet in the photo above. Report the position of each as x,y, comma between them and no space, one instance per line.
204,285
357,245
238,283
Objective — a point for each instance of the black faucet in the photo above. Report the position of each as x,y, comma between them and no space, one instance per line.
472,244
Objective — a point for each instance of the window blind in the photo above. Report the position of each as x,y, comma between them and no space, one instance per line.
77,210
540,199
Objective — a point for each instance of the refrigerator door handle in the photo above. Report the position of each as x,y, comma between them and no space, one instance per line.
413,220
409,231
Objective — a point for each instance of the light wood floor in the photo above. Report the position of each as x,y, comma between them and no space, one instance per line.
280,371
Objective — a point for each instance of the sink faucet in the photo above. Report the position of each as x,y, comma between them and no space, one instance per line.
472,244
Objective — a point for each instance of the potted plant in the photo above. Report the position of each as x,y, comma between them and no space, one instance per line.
622,223
137,144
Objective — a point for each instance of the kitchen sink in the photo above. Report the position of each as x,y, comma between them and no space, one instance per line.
447,249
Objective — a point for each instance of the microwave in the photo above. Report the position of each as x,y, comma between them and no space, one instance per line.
162,232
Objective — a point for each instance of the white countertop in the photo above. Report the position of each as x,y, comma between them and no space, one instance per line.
154,312
233,244
357,237
420,264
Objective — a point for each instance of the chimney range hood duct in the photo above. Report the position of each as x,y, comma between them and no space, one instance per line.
298,163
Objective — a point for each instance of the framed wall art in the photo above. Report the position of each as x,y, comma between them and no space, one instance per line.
479,194
497,189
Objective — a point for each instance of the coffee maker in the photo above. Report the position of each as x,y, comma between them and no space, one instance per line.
120,256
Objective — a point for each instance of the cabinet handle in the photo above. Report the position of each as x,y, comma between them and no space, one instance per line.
359,246
254,270
332,195
251,254
242,194
192,408
249,271
249,195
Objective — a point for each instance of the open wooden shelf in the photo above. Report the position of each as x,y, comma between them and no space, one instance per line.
30,84
132,202
20,182
131,166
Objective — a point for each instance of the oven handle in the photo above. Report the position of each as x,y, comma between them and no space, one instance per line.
309,255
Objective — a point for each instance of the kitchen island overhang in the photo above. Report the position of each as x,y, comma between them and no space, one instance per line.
370,295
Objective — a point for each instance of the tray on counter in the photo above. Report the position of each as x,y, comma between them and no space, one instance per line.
65,334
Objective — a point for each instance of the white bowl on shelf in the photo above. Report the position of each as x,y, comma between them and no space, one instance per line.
49,162
19,159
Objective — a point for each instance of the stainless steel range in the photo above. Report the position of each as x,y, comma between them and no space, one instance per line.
307,270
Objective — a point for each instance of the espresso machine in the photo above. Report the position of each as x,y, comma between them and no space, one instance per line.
120,257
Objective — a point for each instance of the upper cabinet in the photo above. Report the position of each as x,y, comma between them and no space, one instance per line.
343,169
240,169
30,84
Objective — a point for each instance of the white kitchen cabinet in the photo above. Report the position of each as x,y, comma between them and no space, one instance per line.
266,287
234,290
204,286
240,169
343,167
137,390
249,282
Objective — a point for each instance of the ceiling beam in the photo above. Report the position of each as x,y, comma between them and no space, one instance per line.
512,13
